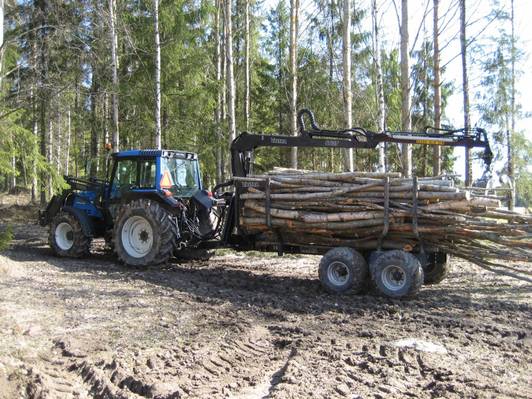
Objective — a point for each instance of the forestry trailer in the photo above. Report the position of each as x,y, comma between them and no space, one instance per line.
153,205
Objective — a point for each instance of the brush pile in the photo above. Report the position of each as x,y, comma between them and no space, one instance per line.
368,210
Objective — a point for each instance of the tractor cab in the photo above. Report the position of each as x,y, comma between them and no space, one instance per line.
171,173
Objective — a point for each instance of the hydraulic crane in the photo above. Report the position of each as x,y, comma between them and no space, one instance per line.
243,146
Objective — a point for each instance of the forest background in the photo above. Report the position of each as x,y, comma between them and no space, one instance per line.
191,75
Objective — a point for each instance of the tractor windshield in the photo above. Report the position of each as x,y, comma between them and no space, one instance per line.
180,176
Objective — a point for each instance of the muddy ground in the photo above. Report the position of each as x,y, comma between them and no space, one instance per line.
248,326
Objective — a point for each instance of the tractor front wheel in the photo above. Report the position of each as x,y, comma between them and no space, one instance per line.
144,233
66,237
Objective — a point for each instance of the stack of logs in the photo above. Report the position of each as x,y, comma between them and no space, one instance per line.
370,210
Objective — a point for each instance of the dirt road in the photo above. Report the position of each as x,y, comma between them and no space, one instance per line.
250,327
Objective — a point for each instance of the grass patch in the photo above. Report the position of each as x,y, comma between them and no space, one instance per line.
5,238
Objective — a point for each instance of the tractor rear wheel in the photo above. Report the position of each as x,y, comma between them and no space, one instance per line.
66,236
144,233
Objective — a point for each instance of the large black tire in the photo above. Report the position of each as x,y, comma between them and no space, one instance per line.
397,274
66,236
144,233
342,269
436,268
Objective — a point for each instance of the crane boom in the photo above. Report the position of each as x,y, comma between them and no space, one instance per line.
245,143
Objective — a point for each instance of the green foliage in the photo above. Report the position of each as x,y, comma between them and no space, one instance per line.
5,238
75,44
523,169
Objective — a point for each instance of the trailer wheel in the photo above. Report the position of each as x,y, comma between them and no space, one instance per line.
342,269
436,268
397,274
66,236
144,233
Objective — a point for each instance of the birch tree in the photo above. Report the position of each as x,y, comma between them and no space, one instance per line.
513,110
218,110
436,155
43,91
406,121
465,89
379,86
230,78
348,94
114,69
294,17
157,75
246,65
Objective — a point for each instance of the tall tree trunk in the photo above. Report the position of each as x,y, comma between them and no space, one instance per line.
381,110
59,141
114,71
280,66
223,55
157,75
511,177
465,90
294,17
13,170
218,110
1,41
49,153
330,49
231,91
247,71
94,124
77,141
34,116
436,155
43,91
69,136
348,94
105,112
35,131
406,121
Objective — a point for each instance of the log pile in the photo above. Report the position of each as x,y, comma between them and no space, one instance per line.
370,210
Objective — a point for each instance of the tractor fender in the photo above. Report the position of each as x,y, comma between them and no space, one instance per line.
87,225
169,204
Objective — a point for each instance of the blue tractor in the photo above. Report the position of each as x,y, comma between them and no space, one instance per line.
151,205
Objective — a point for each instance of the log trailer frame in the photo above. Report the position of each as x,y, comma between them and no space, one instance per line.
395,273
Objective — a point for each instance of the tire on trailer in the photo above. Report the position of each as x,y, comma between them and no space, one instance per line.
342,269
397,274
144,233
66,236
437,267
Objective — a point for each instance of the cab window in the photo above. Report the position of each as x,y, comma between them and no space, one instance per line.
133,174
147,173
126,175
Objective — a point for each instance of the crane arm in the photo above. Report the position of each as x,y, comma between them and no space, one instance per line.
245,143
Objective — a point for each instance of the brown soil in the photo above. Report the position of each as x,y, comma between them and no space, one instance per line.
247,326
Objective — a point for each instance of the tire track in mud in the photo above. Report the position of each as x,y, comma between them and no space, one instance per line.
226,367
51,377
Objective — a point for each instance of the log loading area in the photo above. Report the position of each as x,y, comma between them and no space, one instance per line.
403,228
